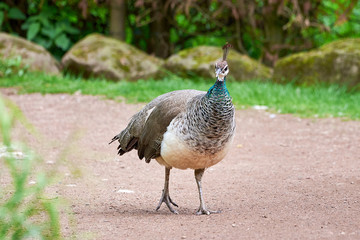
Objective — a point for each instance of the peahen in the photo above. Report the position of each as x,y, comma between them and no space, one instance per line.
184,129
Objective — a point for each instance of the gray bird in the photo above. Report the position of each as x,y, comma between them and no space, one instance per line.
184,129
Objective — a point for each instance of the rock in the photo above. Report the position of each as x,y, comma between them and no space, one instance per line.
337,62
100,56
33,55
201,61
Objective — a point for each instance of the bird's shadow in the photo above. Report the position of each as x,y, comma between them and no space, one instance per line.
121,210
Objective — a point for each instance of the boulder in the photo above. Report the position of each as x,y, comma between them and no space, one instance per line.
337,62
201,61
33,55
100,56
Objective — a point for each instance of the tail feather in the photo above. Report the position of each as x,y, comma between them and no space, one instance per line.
117,137
133,143
121,152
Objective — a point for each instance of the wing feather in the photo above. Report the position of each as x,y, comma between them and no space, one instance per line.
146,128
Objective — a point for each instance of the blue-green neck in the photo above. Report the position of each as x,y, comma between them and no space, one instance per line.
218,89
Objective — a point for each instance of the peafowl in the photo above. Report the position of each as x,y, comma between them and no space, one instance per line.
184,129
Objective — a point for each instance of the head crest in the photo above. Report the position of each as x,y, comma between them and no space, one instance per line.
226,50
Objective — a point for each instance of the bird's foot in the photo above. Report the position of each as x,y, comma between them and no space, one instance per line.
167,200
204,211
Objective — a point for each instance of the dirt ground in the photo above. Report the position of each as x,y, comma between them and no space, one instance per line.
284,178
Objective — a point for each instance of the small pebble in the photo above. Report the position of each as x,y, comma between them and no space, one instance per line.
71,185
272,116
260,107
124,191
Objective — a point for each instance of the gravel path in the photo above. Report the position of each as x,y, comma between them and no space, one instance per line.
285,177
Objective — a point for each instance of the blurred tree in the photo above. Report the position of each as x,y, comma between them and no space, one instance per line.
155,16
265,29
118,19
159,42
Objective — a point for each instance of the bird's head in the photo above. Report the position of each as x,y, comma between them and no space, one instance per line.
221,67
221,70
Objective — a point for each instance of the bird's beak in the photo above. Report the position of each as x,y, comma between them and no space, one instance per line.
218,72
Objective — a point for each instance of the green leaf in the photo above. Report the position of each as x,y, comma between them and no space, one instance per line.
45,42
62,41
4,6
28,21
71,30
33,30
49,32
1,18
59,30
45,21
15,13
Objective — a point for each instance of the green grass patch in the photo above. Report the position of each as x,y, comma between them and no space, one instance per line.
314,101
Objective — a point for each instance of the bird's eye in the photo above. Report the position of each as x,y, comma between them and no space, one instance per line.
226,68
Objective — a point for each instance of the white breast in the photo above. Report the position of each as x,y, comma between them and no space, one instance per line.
176,153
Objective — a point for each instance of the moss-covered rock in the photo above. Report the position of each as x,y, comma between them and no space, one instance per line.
201,61
100,56
33,55
336,62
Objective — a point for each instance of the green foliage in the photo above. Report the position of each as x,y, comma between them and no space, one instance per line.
7,12
24,211
314,101
200,29
56,25
265,30
15,13
271,30
13,66
335,26
50,30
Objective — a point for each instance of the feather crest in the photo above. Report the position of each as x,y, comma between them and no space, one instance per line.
226,50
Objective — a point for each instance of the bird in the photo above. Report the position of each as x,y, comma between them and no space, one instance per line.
184,129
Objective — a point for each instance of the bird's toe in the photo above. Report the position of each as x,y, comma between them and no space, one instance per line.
165,198
204,211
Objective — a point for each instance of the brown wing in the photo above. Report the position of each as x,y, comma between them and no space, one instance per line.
149,144
145,130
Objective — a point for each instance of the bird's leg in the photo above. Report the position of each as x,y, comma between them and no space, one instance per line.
202,209
165,194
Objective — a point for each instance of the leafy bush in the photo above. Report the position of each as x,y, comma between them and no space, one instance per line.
7,12
56,25
48,31
24,210
265,30
335,25
51,30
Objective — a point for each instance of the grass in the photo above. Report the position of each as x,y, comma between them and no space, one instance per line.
25,212
314,101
